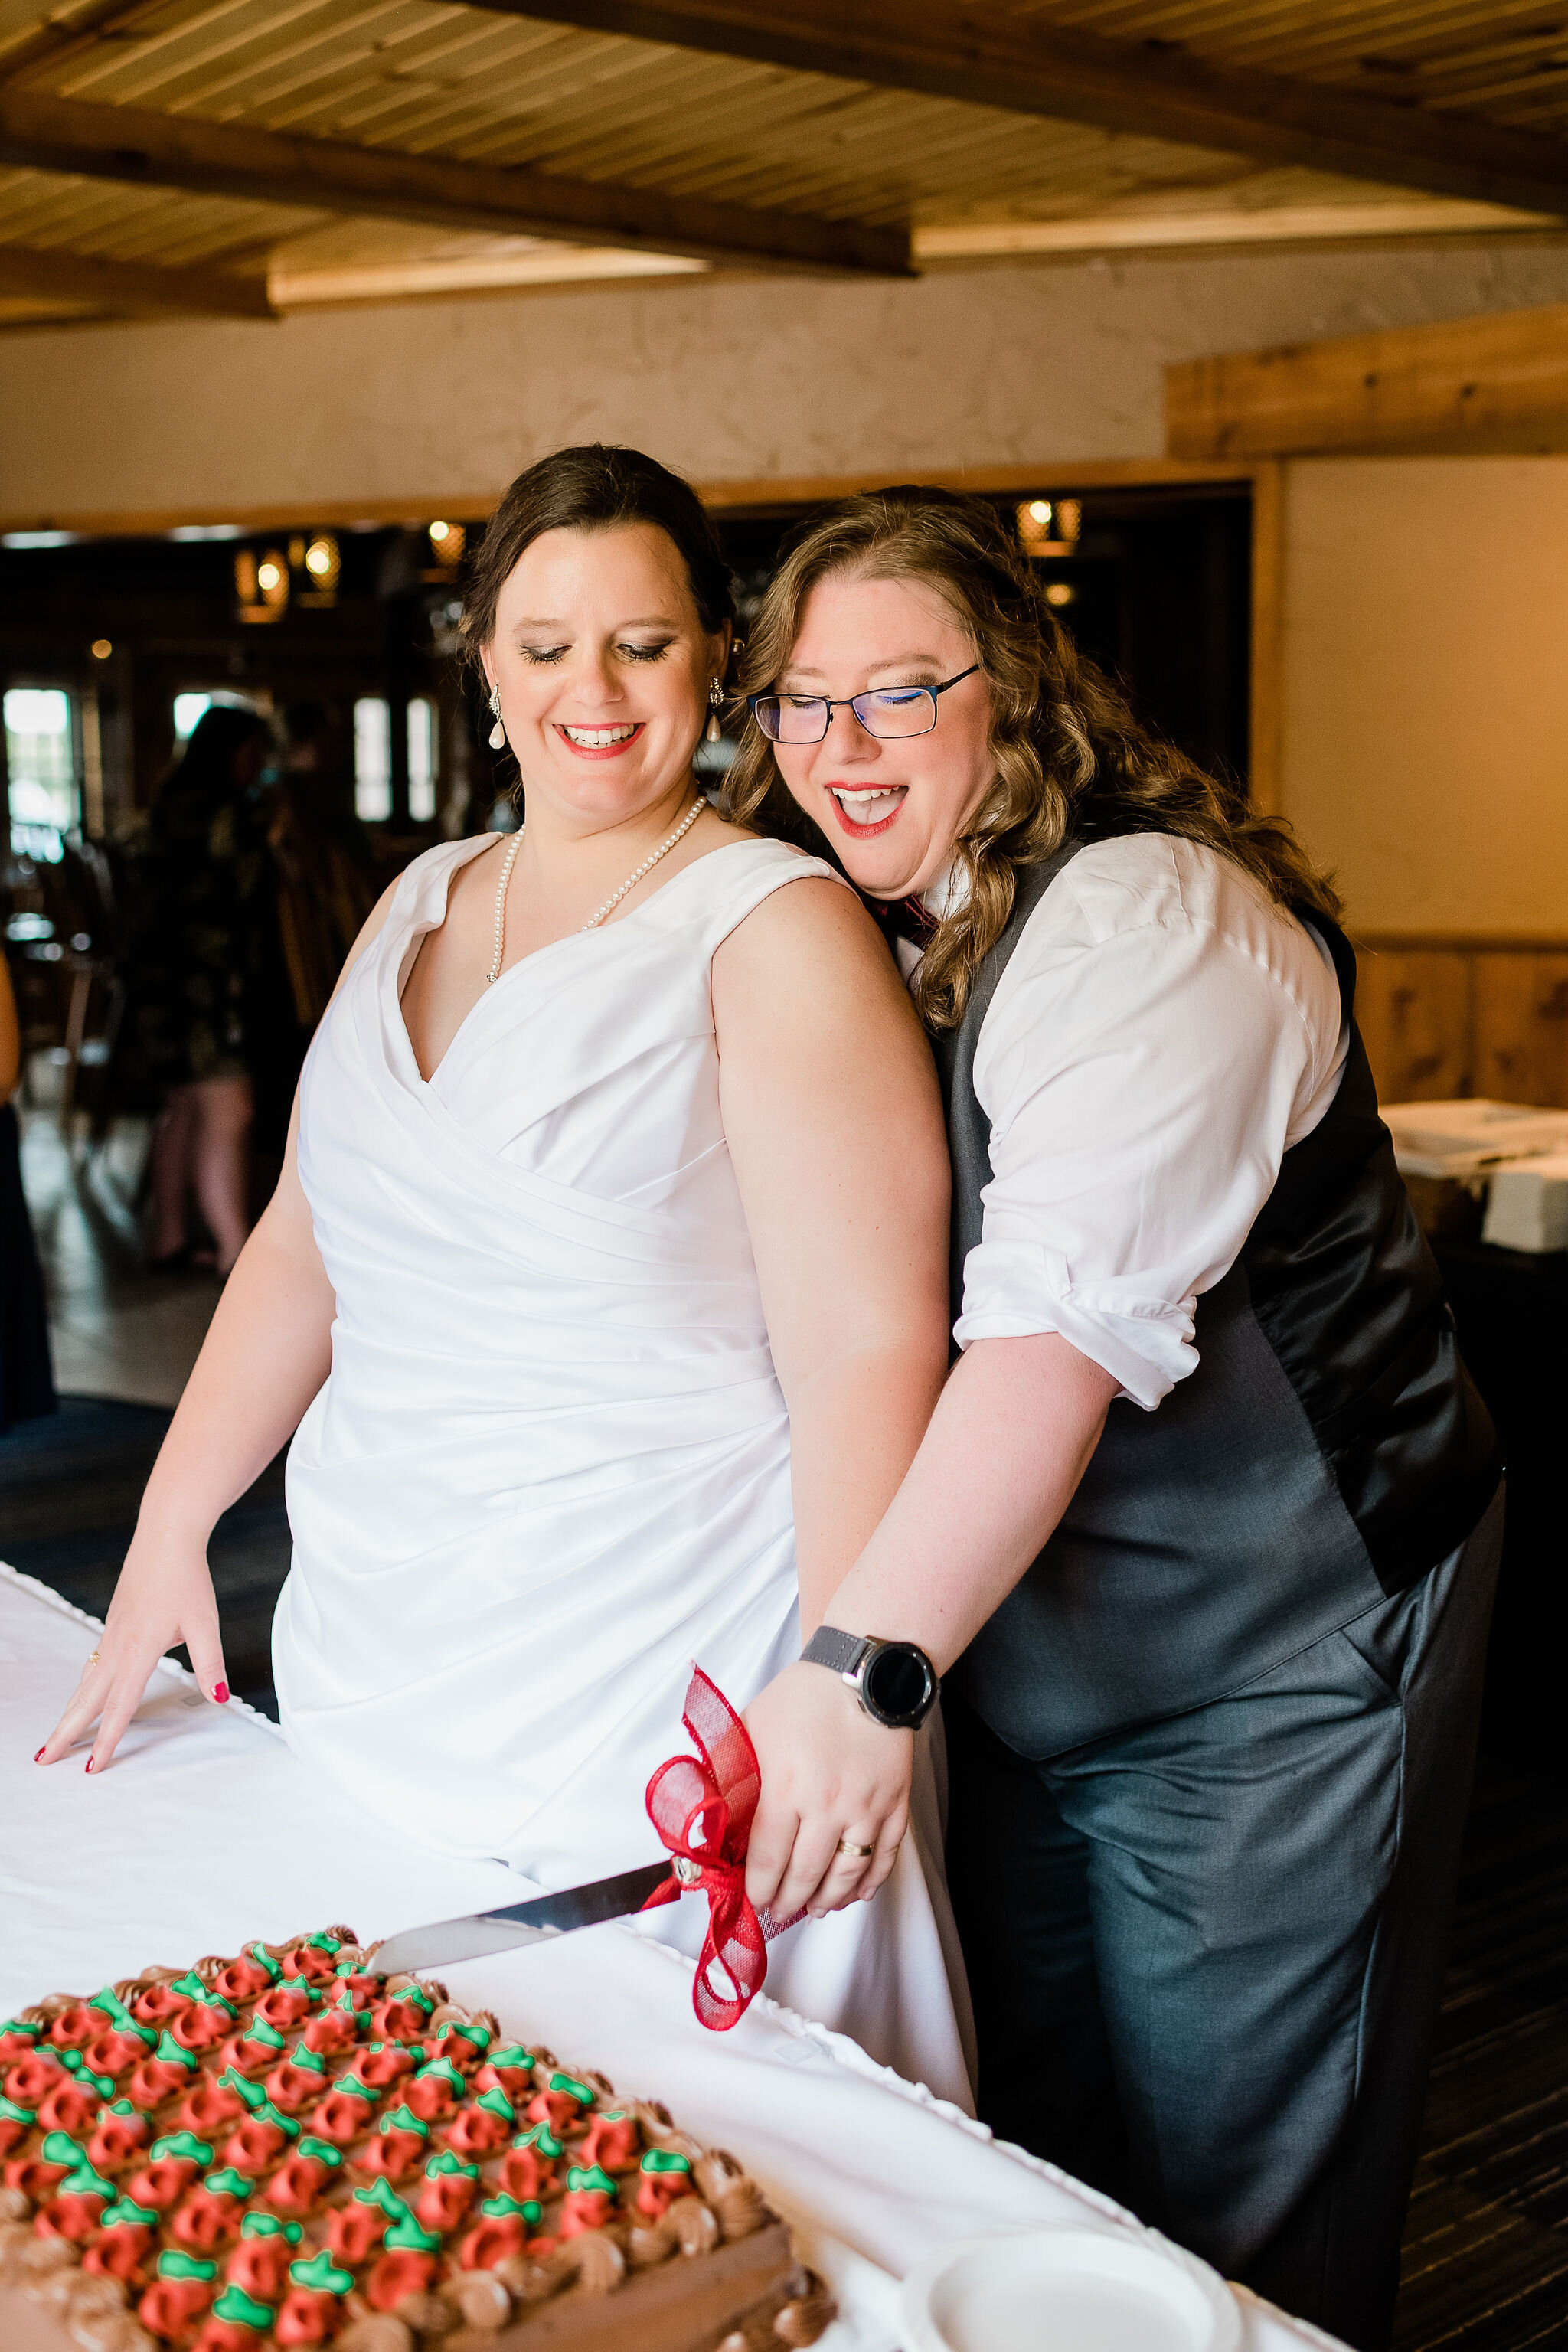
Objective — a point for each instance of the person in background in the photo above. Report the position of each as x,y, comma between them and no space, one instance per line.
324,888
200,944
27,1381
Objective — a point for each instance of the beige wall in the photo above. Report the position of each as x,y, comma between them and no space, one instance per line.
731,381
1426,688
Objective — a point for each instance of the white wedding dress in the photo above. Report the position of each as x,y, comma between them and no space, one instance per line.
551,1465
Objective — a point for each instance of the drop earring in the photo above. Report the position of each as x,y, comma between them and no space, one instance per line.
715,698
498,732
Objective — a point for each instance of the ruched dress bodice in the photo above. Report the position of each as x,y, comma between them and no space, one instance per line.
550,1467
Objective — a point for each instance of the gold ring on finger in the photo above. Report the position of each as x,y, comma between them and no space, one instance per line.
91,1662
862,1852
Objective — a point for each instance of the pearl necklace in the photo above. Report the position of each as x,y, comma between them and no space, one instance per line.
611,903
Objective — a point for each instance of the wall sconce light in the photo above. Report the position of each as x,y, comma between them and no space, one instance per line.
1049,526
102,649
321,563
260,584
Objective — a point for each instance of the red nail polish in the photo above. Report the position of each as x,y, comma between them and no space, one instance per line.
90,1763
220,1693
39,1756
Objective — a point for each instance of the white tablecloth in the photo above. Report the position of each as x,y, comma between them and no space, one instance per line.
207,1833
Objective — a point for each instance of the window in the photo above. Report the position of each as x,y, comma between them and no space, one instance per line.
40,756
194,704
373,760
424,757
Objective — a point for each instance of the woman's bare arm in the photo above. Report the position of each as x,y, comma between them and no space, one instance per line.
266,1355
833,1124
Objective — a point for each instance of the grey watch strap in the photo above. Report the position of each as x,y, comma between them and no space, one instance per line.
840,1653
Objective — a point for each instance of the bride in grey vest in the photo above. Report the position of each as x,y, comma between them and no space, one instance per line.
1204,1532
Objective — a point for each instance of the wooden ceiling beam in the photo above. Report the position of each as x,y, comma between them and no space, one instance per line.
131,286
233,159
1492,384
972,52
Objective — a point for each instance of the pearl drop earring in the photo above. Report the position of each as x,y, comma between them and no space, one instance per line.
715,698
498,732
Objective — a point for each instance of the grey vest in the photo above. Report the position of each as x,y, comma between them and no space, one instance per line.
1329,1449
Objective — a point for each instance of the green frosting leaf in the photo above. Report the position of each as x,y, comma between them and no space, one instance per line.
193,1986
310,2059
127,2215
231,2079
323,1942
73,2061
321,2149
85,2182
61,2148
114,2009
186,2143
227,2182
479,2035
580,2091
513,2053
405,2119
321,2274
16,2025
356,2089
590,2177
171,2052
118,2108
665,2159
264,1959
173,2264
496,2103
448,2160
12,2113
440,2070
384,2198
242,2309
542,2139
268,2114
267,2035
407,2236
268,2225
499,2206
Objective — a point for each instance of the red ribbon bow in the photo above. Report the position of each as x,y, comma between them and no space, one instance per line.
702,1811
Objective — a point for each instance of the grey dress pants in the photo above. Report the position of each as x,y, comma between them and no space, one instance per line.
1207,1954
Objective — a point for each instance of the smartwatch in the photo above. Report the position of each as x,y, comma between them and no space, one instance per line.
895,1681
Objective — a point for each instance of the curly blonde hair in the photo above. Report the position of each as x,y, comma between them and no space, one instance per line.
1070,757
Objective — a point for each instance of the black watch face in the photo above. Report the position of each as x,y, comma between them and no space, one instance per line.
898,1683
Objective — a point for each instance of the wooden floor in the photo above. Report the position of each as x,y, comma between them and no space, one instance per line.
1486,2246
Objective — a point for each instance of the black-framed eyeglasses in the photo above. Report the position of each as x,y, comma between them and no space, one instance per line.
886,711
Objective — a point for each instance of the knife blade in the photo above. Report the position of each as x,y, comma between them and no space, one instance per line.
521,1923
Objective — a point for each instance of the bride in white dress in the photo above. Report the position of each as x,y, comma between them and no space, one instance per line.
606,1286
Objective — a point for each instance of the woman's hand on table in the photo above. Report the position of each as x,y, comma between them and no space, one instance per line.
831,1779
164,1596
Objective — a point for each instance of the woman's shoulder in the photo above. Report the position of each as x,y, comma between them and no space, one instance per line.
730,880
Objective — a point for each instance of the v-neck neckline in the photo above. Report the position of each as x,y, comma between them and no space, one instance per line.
418,933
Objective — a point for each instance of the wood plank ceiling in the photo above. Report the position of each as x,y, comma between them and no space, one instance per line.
263,155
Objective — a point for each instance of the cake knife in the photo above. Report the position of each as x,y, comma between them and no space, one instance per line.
525,1923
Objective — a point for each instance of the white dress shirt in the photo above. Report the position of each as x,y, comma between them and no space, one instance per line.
1161,1037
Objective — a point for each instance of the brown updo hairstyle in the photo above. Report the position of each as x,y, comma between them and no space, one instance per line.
1069,756
594,488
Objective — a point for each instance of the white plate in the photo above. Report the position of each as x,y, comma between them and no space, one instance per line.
1068,2290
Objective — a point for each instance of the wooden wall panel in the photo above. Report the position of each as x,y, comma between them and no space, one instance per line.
1414,1010
1521,1050
1465,1017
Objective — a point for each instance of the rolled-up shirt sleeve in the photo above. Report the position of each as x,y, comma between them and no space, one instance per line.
1142,1088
